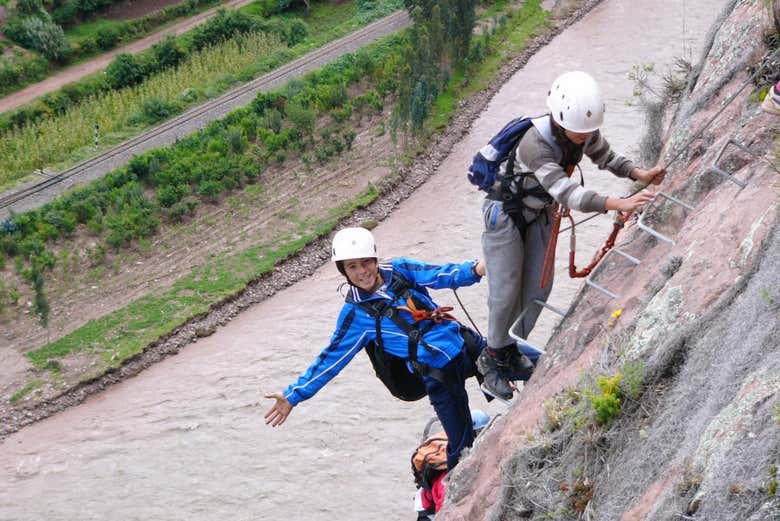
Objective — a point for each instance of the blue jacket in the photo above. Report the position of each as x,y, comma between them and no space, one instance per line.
356,328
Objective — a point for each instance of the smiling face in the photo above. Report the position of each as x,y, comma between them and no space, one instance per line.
363,273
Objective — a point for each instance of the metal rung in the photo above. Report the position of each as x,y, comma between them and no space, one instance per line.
589,279
523,343
723,173
648,229
717,170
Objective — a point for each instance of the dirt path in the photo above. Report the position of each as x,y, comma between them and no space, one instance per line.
76,72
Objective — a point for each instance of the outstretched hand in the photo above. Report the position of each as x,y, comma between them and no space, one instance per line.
277,414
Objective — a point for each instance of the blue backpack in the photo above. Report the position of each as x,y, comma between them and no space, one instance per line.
486,163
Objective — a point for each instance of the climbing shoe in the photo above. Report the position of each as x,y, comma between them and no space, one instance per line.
518,366
493,364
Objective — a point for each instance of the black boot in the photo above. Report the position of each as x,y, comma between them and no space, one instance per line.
518,366
493,364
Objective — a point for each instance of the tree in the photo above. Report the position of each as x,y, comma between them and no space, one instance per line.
41,303
29,7
42,35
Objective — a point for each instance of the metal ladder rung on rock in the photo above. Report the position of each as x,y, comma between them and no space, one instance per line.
643,226
718,170
519,320
589,280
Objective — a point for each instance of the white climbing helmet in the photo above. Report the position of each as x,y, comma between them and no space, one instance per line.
575,102
353,243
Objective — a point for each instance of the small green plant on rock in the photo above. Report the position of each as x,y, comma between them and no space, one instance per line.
633,383
771,487
607,403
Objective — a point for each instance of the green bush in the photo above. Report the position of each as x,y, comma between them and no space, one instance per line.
171,194
295,32
107,37
85,47
9,296
155,109
370,99
181,209
85,211
131,223
68,11
301,117
349,138
276,142
29,7
343,113
225,24
9,244
321,152
167,53
273,120
125,70
64,221
30,70
41,34
210,189
190,95
237,142
332,96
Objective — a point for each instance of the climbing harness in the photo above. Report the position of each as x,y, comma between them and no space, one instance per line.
391,369
436,316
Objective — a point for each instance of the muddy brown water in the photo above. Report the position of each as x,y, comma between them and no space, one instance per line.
185,440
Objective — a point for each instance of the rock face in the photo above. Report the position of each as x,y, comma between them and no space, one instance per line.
692,430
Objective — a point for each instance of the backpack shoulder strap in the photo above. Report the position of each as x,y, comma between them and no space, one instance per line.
381,308
542,124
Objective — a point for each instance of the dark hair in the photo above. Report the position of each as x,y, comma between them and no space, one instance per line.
340,267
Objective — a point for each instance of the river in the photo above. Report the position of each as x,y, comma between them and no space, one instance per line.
185,440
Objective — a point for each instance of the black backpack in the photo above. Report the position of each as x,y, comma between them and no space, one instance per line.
393,372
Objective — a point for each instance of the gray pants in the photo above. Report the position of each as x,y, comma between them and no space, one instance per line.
514,271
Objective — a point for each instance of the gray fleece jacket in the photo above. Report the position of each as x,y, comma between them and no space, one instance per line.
538,153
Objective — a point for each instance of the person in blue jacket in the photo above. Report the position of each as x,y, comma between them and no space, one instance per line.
439,350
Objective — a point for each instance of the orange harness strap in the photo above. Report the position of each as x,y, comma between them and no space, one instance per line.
438,315
548,268
620,222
